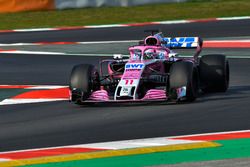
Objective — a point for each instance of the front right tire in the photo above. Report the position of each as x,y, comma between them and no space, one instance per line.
84,79
183,74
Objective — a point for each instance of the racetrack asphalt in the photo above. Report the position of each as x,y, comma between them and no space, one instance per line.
62,123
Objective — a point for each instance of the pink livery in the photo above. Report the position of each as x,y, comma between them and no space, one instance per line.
152,72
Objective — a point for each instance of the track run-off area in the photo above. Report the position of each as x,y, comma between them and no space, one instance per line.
41,72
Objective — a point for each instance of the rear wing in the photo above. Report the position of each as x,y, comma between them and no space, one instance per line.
176,43
182,42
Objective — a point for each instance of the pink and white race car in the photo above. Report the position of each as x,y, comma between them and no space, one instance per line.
152,72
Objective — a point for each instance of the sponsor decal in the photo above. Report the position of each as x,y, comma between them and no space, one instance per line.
181,92
128,70
134,66
133,70
186,42
126,91
132,75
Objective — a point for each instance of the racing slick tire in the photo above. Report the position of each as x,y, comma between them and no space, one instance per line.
183,74
84,79
214,73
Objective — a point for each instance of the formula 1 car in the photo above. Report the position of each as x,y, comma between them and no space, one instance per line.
152,72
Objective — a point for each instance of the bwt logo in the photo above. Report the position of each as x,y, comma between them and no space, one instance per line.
134,66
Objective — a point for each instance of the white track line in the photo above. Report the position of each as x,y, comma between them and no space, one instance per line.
173,22
34,29
4,159
28,101
18,44
45,87
233,18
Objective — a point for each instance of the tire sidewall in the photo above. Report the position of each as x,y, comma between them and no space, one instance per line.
183,74
85,79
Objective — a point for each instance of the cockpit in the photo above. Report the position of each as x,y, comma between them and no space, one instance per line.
148,53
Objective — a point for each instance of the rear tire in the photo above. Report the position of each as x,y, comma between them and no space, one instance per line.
84,79
214,73
183,74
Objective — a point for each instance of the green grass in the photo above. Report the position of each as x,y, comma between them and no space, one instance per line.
194,9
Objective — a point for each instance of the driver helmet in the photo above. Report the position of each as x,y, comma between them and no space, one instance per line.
149,54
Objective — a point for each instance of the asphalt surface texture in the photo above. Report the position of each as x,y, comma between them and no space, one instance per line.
62,123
